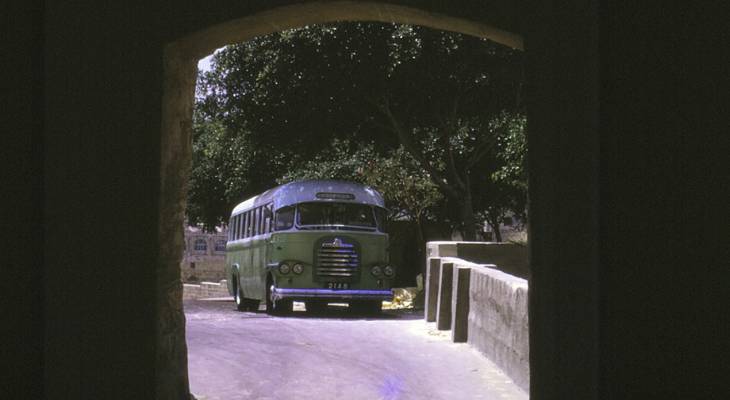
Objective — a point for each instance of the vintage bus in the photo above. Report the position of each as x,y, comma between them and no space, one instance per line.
317,241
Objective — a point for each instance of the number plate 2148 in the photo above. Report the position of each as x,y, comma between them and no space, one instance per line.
338,285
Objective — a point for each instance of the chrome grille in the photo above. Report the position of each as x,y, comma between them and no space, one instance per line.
337,259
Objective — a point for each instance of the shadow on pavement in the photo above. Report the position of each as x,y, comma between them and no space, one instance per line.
332,311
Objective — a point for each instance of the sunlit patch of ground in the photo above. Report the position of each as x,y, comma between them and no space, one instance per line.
402,298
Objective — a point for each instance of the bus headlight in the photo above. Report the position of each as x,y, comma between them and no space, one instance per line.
297,268
377,271
388,271
284,268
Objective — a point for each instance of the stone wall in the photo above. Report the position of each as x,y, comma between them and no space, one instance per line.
498,323
481,305
204,256
507,257
205,290
199,270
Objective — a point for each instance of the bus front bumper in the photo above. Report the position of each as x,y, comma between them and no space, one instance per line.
343,294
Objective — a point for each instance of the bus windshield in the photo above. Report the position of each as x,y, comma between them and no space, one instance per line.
341,214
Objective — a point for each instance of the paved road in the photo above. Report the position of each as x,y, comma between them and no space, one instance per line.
336,355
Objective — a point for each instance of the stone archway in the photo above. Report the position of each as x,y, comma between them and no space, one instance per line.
180,69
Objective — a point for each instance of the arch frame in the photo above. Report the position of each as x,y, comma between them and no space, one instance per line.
180,59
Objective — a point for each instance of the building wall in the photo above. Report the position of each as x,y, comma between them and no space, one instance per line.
207,264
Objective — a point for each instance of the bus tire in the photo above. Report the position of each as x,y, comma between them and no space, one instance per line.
241,303
276,307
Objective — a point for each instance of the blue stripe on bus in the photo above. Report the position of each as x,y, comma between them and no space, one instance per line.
331,291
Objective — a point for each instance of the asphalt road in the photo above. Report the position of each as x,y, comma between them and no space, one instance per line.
335,355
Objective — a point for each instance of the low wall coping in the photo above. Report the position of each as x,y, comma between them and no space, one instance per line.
514,282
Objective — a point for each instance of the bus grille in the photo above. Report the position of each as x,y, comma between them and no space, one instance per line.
337,259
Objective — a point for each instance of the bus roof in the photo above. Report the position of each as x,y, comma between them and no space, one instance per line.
313,191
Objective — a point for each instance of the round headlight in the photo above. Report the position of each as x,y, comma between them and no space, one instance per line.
284,268
297,268
388,271
377,271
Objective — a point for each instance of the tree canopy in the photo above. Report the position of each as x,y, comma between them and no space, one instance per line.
425,116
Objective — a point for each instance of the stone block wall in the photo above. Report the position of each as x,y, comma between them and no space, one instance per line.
205,290
492,315
508,257
498,322
203,270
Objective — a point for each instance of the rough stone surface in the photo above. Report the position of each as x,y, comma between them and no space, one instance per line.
508,257
460,304
443,309
205,290
175,159
498,321
433,272
441,249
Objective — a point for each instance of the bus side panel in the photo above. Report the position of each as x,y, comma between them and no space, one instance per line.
258,272
229,270
253,280
244,262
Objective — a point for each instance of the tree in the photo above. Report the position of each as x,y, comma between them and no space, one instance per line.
407,190
427,94
470,82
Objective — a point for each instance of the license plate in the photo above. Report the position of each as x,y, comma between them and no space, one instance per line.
337,285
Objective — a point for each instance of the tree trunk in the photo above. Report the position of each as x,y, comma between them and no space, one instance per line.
421,245
493,219
497,232
467,217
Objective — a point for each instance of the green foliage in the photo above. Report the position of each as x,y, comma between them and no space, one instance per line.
424,116
406,188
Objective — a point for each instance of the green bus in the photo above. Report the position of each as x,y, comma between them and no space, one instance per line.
316,241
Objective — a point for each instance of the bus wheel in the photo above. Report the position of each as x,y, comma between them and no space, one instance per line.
241,303
276,307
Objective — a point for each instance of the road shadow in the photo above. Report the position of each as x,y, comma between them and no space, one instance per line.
342,312
332,311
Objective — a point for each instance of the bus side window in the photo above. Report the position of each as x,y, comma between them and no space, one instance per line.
261,220
253,222
249,223
236,228
257,221
244,221
267,218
